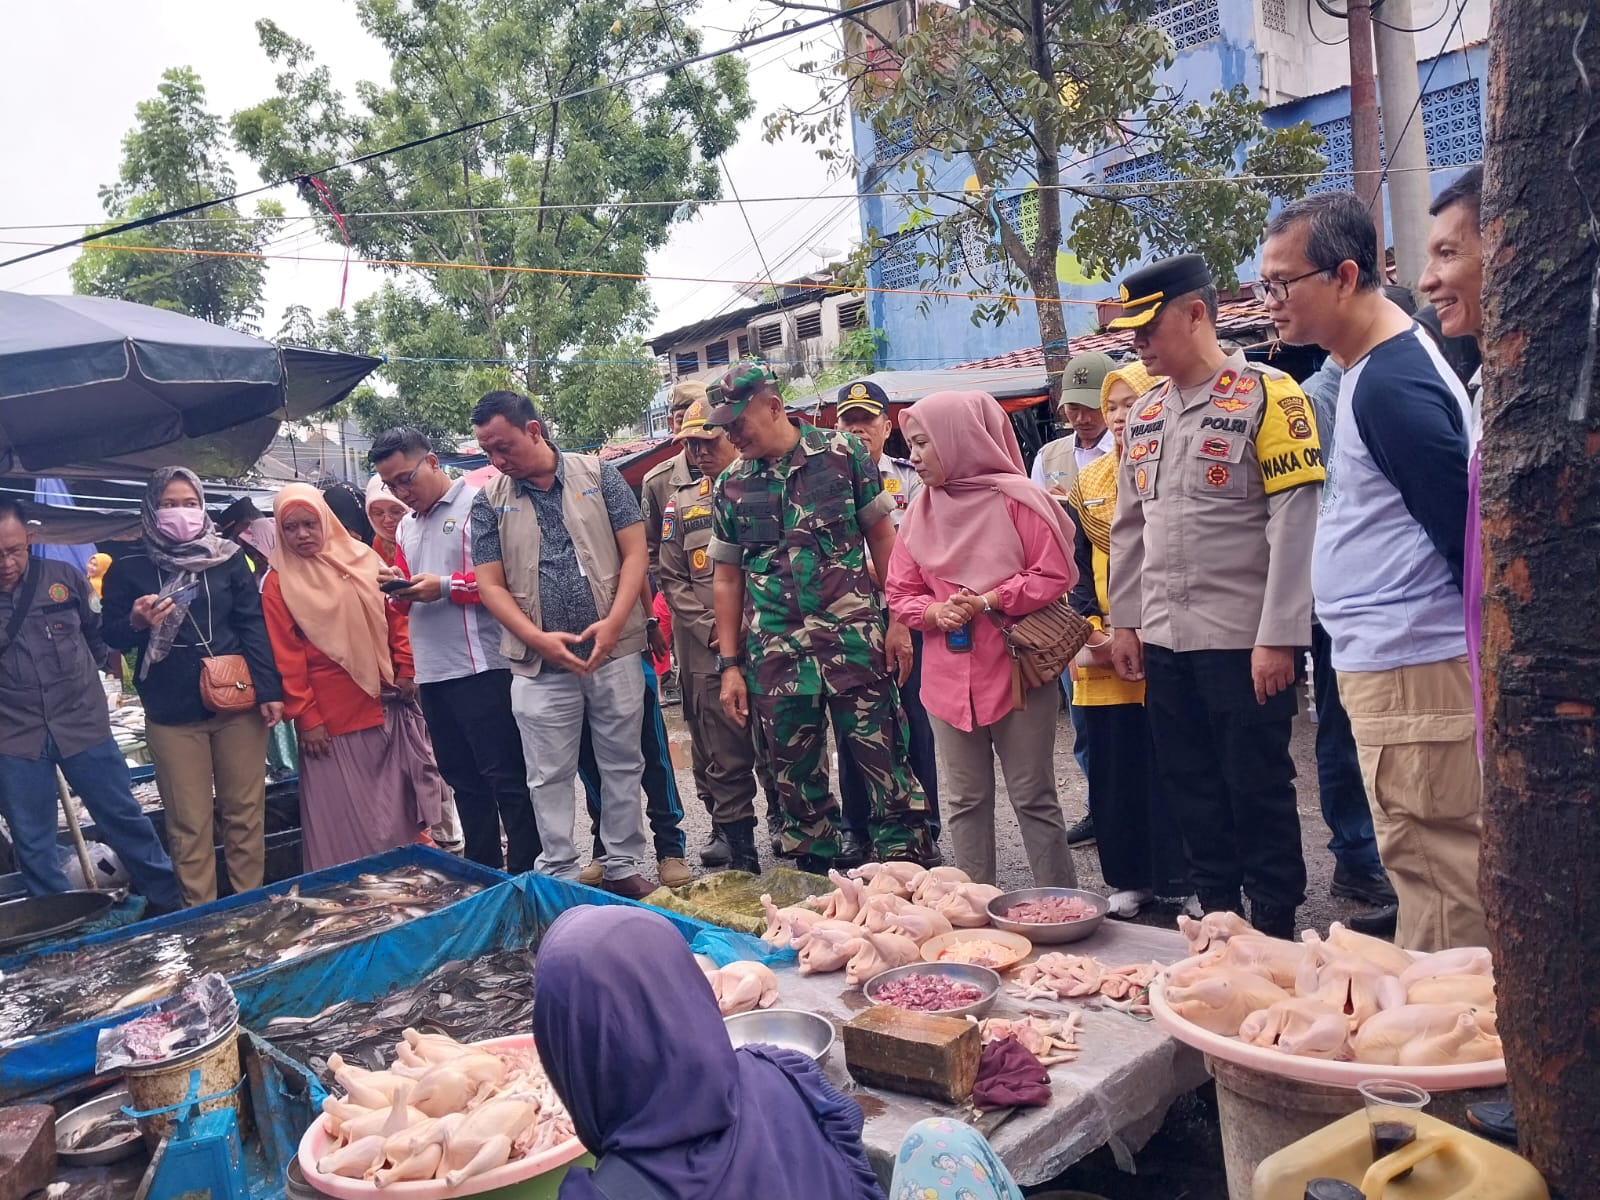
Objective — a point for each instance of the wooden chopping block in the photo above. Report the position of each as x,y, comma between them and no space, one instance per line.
924,1054
27,1149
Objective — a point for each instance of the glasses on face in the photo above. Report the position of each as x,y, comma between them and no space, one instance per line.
14,552
1277,290
402,483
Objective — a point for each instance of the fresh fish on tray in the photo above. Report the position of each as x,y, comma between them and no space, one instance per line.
56,990
470,1000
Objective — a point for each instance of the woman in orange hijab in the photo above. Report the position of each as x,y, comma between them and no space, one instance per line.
368,781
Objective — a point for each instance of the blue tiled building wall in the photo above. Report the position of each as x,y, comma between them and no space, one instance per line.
1215,51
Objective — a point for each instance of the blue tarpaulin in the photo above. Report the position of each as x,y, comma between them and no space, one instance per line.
61,1055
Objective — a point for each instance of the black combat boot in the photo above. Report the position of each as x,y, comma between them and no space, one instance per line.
1274,920
741,838
717,852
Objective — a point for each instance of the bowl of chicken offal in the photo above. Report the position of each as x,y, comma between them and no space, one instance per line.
885,987
992,948
785,1028
1040,900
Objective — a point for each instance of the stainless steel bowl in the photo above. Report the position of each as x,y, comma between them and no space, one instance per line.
983,977
1054,934
789,1028
72,1127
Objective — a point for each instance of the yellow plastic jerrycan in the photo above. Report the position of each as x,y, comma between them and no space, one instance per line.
1446,1163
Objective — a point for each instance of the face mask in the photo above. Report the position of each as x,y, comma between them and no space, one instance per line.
180,524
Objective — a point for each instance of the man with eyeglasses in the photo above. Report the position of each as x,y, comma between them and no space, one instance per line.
1388,565
1211,587
464,682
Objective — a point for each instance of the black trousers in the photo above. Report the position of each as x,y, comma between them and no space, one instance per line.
923,762
1136,830
1224,759
479,750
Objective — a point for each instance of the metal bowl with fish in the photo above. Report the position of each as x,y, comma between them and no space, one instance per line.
1044,901
97,1133
926,987
786,1028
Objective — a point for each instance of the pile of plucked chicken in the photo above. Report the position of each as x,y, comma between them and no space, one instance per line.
1347,997
444,1110
877,917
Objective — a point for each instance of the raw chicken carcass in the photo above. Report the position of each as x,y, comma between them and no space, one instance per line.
1463,960
370,1089
877,909
1272,958
742,986
827,946
1300,1026
1386,956
445,1090
938,882
1476,990
890,879
358,1160
1222,998
844,902
1212,929
878,952
1355,986
786,925
967,907
1417,1035
918,923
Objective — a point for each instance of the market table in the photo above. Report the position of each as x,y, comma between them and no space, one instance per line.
1116,1093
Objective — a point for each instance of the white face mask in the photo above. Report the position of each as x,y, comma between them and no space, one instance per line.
181,524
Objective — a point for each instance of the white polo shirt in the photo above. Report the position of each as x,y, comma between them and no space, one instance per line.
448,640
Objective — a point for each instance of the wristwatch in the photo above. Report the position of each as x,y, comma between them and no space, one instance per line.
724,661
653,622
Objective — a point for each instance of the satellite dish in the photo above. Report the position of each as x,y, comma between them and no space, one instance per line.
826,252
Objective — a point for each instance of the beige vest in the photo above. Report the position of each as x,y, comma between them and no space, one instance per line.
583,511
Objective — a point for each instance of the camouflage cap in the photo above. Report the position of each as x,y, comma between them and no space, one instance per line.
741,382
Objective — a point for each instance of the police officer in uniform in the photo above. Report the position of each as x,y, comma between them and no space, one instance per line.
863,409
793,524
685,572
1211,594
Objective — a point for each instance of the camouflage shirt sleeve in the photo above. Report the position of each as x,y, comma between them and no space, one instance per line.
873,504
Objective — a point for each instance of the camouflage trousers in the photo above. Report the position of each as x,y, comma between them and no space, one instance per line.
794,731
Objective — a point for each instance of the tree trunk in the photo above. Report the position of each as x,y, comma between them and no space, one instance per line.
1541,640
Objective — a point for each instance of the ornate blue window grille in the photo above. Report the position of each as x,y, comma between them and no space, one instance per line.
1452,119
893,142
897,264
1188,22
1147,168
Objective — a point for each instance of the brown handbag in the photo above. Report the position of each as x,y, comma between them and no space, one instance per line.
1041,645
225,683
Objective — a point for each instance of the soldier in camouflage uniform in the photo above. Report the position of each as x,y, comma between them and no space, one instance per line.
792,524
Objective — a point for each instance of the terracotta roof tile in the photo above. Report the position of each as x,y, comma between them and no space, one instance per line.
1233,316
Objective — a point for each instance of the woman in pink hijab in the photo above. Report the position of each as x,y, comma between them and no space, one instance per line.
980,538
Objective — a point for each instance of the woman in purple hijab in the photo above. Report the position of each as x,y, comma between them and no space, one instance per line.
630,1035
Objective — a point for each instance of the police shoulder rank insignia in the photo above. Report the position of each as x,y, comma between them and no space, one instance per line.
705,485
59,593
1217,475
1152,410
1224,384
697,560
891,484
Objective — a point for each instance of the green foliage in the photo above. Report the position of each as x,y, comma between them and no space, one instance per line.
858,354
175,156
1024,91
555,188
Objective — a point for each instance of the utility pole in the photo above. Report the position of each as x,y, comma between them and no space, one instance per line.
1366,146
1540,873
1409,194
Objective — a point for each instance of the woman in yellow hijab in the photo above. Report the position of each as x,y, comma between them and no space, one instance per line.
97,571
1136,834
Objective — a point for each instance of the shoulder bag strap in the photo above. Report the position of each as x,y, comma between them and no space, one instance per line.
23,602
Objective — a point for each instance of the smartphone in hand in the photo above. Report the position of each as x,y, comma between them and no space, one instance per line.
394,585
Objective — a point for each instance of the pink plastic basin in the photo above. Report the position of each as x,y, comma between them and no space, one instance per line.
318,1142
1271,1061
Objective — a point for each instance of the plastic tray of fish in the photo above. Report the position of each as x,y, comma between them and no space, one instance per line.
471,1000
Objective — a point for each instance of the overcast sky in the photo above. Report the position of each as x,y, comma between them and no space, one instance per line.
69,82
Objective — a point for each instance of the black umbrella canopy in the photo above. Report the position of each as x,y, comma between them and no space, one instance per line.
96,386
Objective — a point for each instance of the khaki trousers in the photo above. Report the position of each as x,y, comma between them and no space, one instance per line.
1416,736
229,754
1025,744
728,751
